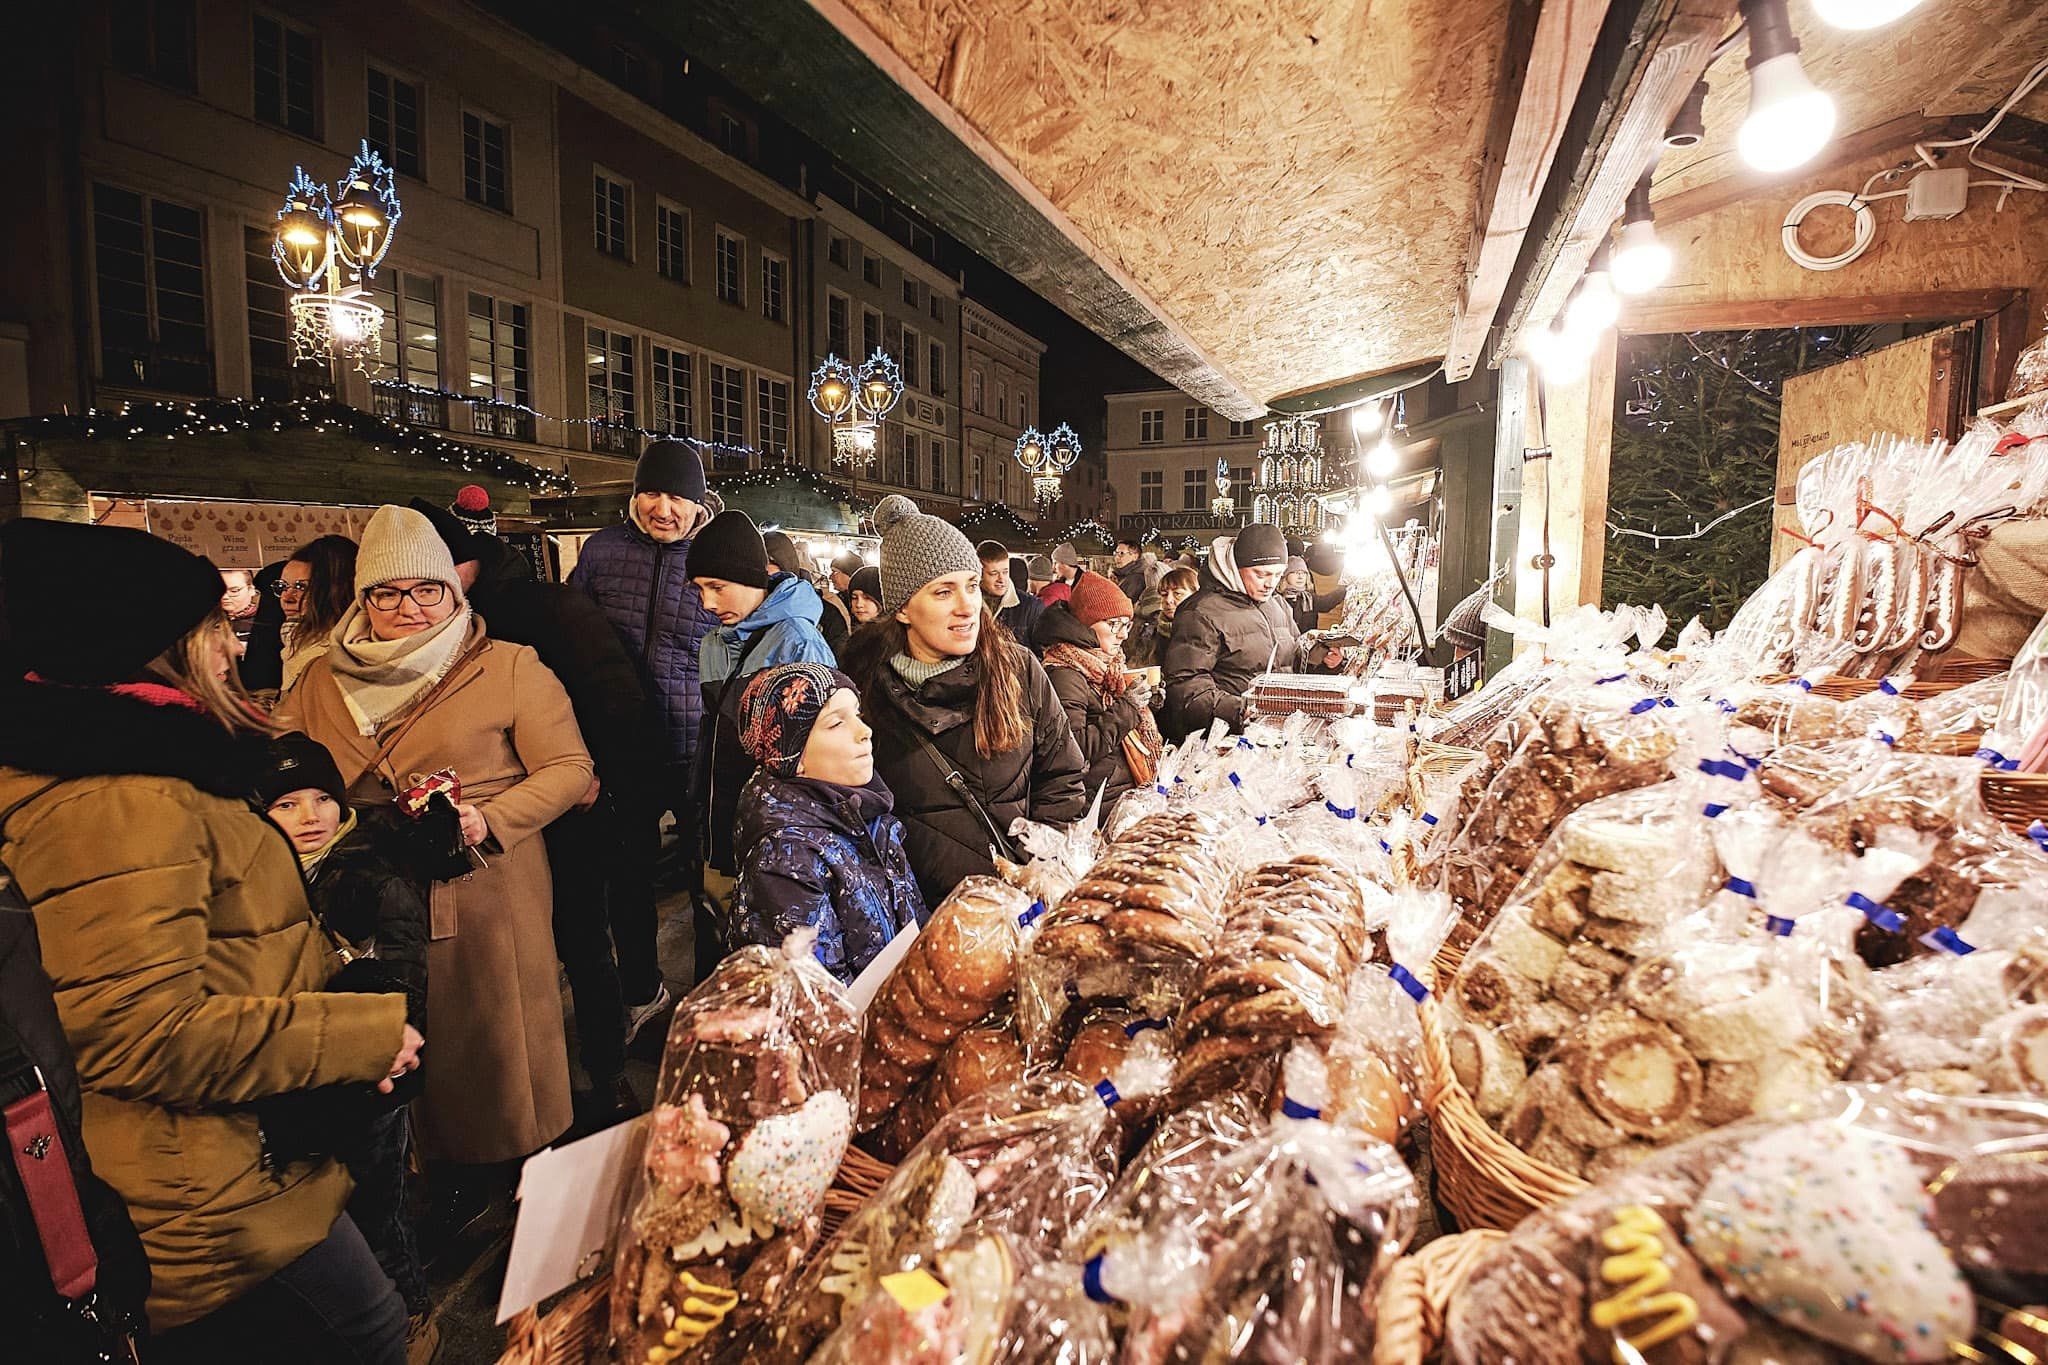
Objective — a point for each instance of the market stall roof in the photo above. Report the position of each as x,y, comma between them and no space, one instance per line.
792,499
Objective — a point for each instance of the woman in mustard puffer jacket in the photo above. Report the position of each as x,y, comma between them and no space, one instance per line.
186,966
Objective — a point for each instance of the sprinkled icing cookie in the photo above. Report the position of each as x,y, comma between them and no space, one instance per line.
784,1163
1825,1229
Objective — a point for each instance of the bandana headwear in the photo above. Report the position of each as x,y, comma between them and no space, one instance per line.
778,709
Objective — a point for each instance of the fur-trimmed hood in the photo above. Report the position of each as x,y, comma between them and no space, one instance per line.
61,731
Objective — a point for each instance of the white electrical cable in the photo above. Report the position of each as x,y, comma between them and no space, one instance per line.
2011,179
1866,228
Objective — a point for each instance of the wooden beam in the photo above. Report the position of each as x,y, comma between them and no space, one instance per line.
1549,44
1650,54
1895,134
1956,305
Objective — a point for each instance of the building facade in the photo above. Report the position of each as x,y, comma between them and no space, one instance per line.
1162,455
1002,363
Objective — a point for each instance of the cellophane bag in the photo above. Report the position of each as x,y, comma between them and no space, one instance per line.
2018,741
1955,721
1875,1225
752,1114
1374,1056
997,1183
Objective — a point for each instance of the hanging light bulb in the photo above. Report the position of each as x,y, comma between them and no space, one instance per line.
1381,461
1366,419
1863,13
1594,306
1790,119
1380,500
1640,262
1562,356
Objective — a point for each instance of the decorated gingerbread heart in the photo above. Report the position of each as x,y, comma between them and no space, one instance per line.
1825,1228
784,1163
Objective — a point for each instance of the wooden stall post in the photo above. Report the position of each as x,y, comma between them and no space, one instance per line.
1564,497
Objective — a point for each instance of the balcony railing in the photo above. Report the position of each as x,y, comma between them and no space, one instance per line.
501,420
409,405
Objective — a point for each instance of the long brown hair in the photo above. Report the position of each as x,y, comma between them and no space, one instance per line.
331,590
189,665
1000,724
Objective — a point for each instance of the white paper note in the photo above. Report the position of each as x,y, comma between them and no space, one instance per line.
870,981
569,1204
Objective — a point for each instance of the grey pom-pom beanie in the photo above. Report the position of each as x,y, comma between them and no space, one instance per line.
917,548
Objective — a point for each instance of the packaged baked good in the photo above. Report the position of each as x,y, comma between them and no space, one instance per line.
1883,1226
2018,740
984,1055
752,1114
961,966
1374,1056
998,1183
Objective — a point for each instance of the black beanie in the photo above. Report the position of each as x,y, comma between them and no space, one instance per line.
848,562
298,761
1260,545
729,547
989,551
868,580
672,467
784,551
460,539
95,604
1325,558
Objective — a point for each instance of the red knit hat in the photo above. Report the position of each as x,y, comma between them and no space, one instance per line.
1097,599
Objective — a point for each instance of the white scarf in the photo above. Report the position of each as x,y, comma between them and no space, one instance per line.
381,679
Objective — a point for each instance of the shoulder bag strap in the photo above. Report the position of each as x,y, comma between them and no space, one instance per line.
998,842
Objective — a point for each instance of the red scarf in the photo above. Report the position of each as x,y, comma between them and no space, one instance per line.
1107,676
150,693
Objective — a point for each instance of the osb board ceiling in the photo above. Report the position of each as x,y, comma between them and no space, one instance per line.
1948,57
1291,182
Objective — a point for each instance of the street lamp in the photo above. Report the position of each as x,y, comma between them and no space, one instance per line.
1047,458
326,245
854,402
1222,506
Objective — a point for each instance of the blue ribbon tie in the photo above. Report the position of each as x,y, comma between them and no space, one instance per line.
1610,678
1107,1092
1721,767
1997,760
1428,819
1405,979
1889,688
2038,832
1948,941
1091,1281
1293,1109
1030,917
1740,886
1341,812
1714,810
1138,1026
1884,917
1778,925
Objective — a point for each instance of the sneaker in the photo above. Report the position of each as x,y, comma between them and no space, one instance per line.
640,1016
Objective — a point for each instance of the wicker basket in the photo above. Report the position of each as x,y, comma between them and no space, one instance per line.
2017,799
1418,1291
1959,671
1481,1177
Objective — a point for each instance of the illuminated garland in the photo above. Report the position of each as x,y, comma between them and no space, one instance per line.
201,416
1089,526
996,516
771,476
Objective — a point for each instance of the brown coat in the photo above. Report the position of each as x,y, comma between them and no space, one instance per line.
187,972
497,1064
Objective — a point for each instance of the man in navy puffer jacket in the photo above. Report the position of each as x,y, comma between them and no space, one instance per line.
635,571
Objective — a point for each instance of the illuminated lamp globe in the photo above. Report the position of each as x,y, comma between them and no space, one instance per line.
1563,357
1365,419
1641,262
1595,306
1381,461
360,226
835,396
1863,13
1790,118
302,246
1380,500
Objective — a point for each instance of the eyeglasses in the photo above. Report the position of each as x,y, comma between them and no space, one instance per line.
281,586
387,598
1120,626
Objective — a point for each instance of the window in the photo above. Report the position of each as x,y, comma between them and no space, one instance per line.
628,70
285,63
1002,400
735,138
1194,489
1240,480
936,306
1238,431
774,288
772,415
395,119
272,368
729,268
149,271
835,248
909,348
910,286
672,241
912,451
871,268
1023,411
838,325
1152,426
155,38
609,374
499,368
938,464
675,392
729,412
612,201
485,159
1151,490
410,353
935,370
870,333
976,390
1194,424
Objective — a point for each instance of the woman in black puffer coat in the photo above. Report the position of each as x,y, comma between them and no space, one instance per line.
969,734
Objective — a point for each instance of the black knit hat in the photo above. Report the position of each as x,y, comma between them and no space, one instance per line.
95,604
989,551
1260,545
729,547
672,467
787,556
298,761
459,538
848,562
868,580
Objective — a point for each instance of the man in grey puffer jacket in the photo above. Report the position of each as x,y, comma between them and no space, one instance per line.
1231,631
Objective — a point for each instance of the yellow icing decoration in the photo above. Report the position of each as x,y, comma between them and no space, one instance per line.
704,1307
1637,1239
914,1289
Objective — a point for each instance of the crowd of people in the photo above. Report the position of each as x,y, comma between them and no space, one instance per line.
304,848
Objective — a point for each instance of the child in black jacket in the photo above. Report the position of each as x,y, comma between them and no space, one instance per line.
376,920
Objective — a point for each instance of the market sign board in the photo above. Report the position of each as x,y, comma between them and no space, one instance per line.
248,535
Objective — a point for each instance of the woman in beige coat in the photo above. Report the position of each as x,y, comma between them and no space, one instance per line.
413,684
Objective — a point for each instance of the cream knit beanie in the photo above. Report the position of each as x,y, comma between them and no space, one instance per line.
401,543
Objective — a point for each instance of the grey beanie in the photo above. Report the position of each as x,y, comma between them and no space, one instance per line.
1066,554
916,549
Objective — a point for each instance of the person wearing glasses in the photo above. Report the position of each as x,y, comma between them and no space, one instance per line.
412,684
1108,703
316,587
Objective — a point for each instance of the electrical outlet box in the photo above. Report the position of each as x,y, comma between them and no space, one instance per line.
1938,194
